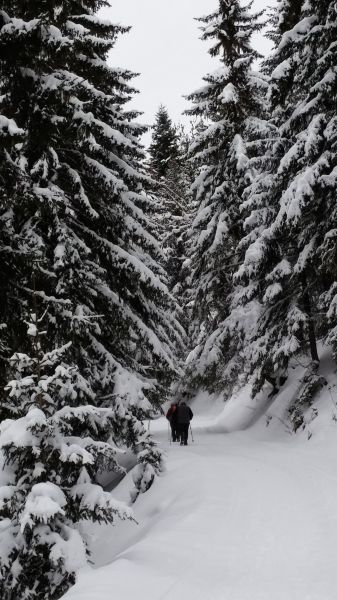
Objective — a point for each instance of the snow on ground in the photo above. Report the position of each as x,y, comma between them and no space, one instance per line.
245,515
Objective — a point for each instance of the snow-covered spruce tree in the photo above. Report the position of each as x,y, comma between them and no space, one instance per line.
164,146
11,183
52,449
290,263
230,104
82,219
171,174
180,209
172,182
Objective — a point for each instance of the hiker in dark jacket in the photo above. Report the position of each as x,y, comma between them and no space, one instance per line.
171,416
184,417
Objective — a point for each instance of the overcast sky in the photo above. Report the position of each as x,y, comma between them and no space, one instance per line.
164,47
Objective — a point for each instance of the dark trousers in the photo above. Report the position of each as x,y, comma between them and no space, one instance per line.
183,430
174,432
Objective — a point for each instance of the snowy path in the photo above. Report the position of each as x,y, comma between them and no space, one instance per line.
235,517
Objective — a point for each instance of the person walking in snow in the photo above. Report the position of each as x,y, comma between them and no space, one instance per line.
171,416
184,417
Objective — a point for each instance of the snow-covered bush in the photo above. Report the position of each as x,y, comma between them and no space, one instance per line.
52,452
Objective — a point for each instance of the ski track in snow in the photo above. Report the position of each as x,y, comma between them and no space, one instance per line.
239,516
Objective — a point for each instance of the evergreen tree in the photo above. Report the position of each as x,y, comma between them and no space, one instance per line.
12,184
164,146
172,199
171,195
230,105
52,448
81,219
75,240
290,262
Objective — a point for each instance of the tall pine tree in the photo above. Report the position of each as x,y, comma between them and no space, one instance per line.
229,104
75,237
171,174
83,221
290,262
164,147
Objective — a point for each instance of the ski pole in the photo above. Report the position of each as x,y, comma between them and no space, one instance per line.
191,433
169,433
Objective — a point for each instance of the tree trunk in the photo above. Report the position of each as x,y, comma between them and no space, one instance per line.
311,326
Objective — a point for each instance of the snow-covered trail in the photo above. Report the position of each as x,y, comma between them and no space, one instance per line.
235,517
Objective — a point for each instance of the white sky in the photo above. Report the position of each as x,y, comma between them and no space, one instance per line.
164,47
